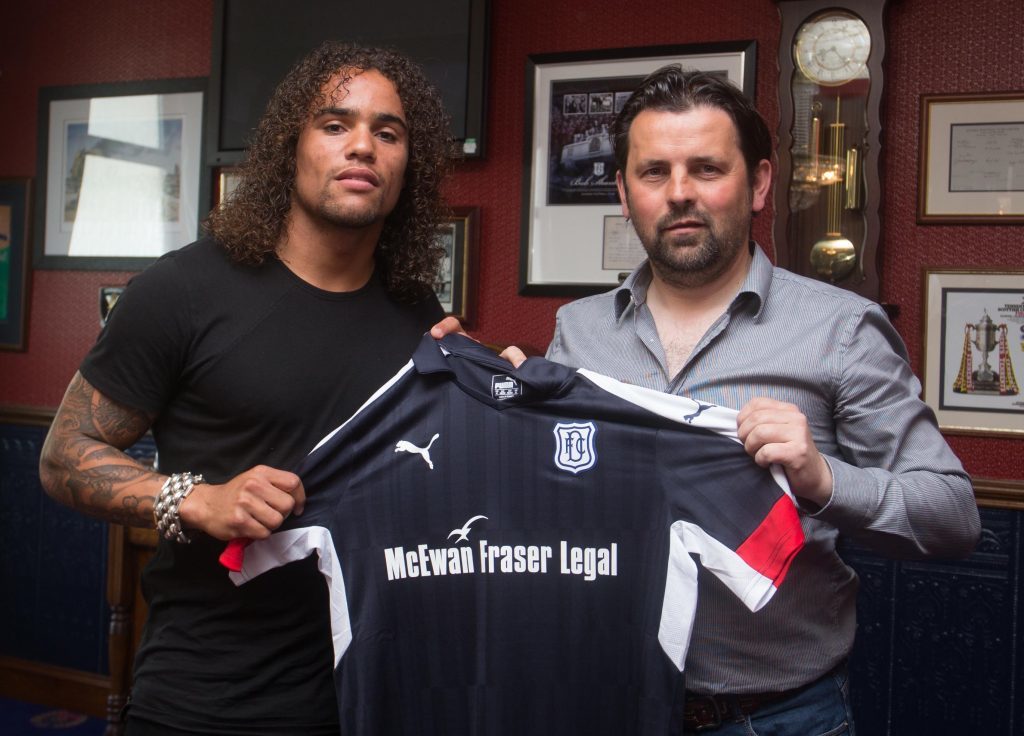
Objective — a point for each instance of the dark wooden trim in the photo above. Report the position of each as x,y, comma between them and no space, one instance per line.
28,415
122,582
129,549
57,687
995,493
990,492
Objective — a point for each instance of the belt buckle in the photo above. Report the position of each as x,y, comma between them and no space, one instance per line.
709,706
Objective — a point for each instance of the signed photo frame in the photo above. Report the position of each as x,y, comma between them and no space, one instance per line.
971,161
14,218
456,280
574,240
119,173
974,350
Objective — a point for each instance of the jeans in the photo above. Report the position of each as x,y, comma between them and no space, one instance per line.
823,709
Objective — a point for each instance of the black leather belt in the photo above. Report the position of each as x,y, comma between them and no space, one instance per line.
708,712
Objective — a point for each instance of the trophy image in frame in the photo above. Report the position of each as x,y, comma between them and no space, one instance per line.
986,336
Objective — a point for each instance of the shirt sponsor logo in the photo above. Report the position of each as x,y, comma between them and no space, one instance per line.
505,387
463,531
424,561
574,446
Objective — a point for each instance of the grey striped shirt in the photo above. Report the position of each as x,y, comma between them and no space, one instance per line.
898,488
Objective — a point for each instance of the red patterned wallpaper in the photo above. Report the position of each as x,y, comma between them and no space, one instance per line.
944,48
968,46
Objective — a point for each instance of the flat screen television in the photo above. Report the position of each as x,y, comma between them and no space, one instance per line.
255,43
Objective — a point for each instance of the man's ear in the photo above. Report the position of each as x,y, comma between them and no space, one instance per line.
762,179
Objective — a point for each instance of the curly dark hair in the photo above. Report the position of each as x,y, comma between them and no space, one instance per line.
252,219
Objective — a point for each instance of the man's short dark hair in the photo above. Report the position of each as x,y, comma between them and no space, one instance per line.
673,89
251,221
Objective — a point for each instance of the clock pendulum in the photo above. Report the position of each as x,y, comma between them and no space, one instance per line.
834,256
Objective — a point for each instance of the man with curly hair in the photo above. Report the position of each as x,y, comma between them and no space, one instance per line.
239,352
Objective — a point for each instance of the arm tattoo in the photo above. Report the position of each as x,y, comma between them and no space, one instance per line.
82,462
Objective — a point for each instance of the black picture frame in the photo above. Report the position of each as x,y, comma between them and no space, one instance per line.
14,261
565,244
106,134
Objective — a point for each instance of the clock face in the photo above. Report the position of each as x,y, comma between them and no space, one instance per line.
832,48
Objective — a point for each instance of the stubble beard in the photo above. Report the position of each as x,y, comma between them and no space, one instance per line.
332,211
695,259
348,216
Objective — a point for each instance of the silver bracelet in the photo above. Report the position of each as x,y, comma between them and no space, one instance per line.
165,511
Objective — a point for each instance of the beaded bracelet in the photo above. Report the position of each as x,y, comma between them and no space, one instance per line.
165,511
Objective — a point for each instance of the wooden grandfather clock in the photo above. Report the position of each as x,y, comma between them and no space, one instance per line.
828,192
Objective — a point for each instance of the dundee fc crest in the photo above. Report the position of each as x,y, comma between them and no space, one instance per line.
574,446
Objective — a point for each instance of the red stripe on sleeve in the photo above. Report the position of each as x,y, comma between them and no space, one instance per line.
772,546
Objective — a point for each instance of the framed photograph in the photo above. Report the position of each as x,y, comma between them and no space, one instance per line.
574,240
108,298
456,281
14,206
119,173
974,350
972,159
226,179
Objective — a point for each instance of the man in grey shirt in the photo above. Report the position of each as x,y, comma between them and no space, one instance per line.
822,383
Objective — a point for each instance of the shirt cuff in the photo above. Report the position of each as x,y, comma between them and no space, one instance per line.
813,509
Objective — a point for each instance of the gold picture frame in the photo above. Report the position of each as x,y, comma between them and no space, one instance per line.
971,161
456,281
225,181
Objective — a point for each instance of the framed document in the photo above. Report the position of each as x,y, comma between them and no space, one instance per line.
972,159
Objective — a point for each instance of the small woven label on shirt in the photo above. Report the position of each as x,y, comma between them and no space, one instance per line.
504,387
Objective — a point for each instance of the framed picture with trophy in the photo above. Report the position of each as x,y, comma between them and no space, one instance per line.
974,350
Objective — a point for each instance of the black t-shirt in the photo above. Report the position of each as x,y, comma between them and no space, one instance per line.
242,366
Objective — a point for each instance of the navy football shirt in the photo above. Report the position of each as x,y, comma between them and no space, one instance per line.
513,551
